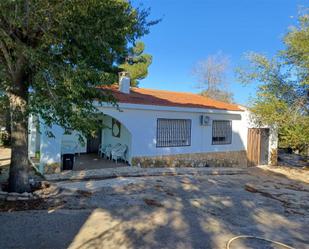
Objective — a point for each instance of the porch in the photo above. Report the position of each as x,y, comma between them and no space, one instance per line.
112,142
93,161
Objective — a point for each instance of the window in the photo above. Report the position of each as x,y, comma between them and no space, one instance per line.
221,132
173,132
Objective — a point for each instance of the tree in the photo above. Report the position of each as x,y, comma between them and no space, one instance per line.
137,63
4,119
217,94
53,56
211,74
283,89
4,107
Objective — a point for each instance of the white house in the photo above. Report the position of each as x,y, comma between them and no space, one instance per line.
164,128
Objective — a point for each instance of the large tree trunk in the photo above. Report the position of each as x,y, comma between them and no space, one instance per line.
19,169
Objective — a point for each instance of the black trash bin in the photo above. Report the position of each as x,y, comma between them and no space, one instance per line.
67,161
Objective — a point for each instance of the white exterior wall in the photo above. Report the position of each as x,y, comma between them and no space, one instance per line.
142,124
73,138
139,126
273,133
51,147
108,138
33,136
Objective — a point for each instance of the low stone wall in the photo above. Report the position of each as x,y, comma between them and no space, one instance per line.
52,168
212,159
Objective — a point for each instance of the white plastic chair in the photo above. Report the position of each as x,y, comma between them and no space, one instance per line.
108,150
104,150
119,153
100,150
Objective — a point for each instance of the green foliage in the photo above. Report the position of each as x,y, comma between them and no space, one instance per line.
58,52
4,112
283,90
295,135
137,63
37,155
217,94
297,52
4,138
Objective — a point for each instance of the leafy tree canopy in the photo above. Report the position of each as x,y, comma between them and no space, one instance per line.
54,54
61,50
137,63
282,96
4,114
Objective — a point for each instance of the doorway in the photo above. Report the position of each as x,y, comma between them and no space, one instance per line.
258,146
94,142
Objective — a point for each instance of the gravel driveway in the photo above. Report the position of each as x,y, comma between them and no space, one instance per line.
177,212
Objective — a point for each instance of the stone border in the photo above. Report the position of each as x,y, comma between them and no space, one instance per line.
52,168
13,196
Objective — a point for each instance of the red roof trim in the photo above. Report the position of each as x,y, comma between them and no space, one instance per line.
145,96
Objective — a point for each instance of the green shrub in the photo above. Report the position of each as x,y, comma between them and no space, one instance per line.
4,138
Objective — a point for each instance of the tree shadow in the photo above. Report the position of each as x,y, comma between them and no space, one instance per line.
201,212
185,211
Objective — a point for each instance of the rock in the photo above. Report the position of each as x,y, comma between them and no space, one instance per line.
250,188
151,202
25,194
11,198
45,184
22,198
3,193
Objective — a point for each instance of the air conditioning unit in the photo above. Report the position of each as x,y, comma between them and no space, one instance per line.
205,120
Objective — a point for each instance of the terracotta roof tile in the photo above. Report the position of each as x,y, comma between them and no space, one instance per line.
169,98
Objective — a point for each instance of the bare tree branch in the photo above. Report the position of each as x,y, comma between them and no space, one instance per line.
211,72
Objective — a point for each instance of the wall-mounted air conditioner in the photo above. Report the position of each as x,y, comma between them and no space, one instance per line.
205,120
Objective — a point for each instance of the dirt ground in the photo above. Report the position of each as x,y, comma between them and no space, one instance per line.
178,212
5,155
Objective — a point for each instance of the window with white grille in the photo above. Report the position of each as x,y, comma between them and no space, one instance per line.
173,132
221,132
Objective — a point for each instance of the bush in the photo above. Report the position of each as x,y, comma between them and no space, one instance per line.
4,138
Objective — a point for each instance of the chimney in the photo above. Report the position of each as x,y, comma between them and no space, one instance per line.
124,82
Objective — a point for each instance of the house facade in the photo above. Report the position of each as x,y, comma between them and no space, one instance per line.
162,129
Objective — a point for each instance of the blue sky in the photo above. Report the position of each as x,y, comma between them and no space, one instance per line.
191,30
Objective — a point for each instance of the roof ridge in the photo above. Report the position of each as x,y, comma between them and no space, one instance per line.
189,93
150,96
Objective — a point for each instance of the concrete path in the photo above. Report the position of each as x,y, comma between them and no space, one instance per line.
92,186
138,172
94,161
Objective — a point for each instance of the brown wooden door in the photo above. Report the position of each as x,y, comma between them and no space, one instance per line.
257,146
254,147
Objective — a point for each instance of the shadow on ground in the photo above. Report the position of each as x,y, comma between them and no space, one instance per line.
168,212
